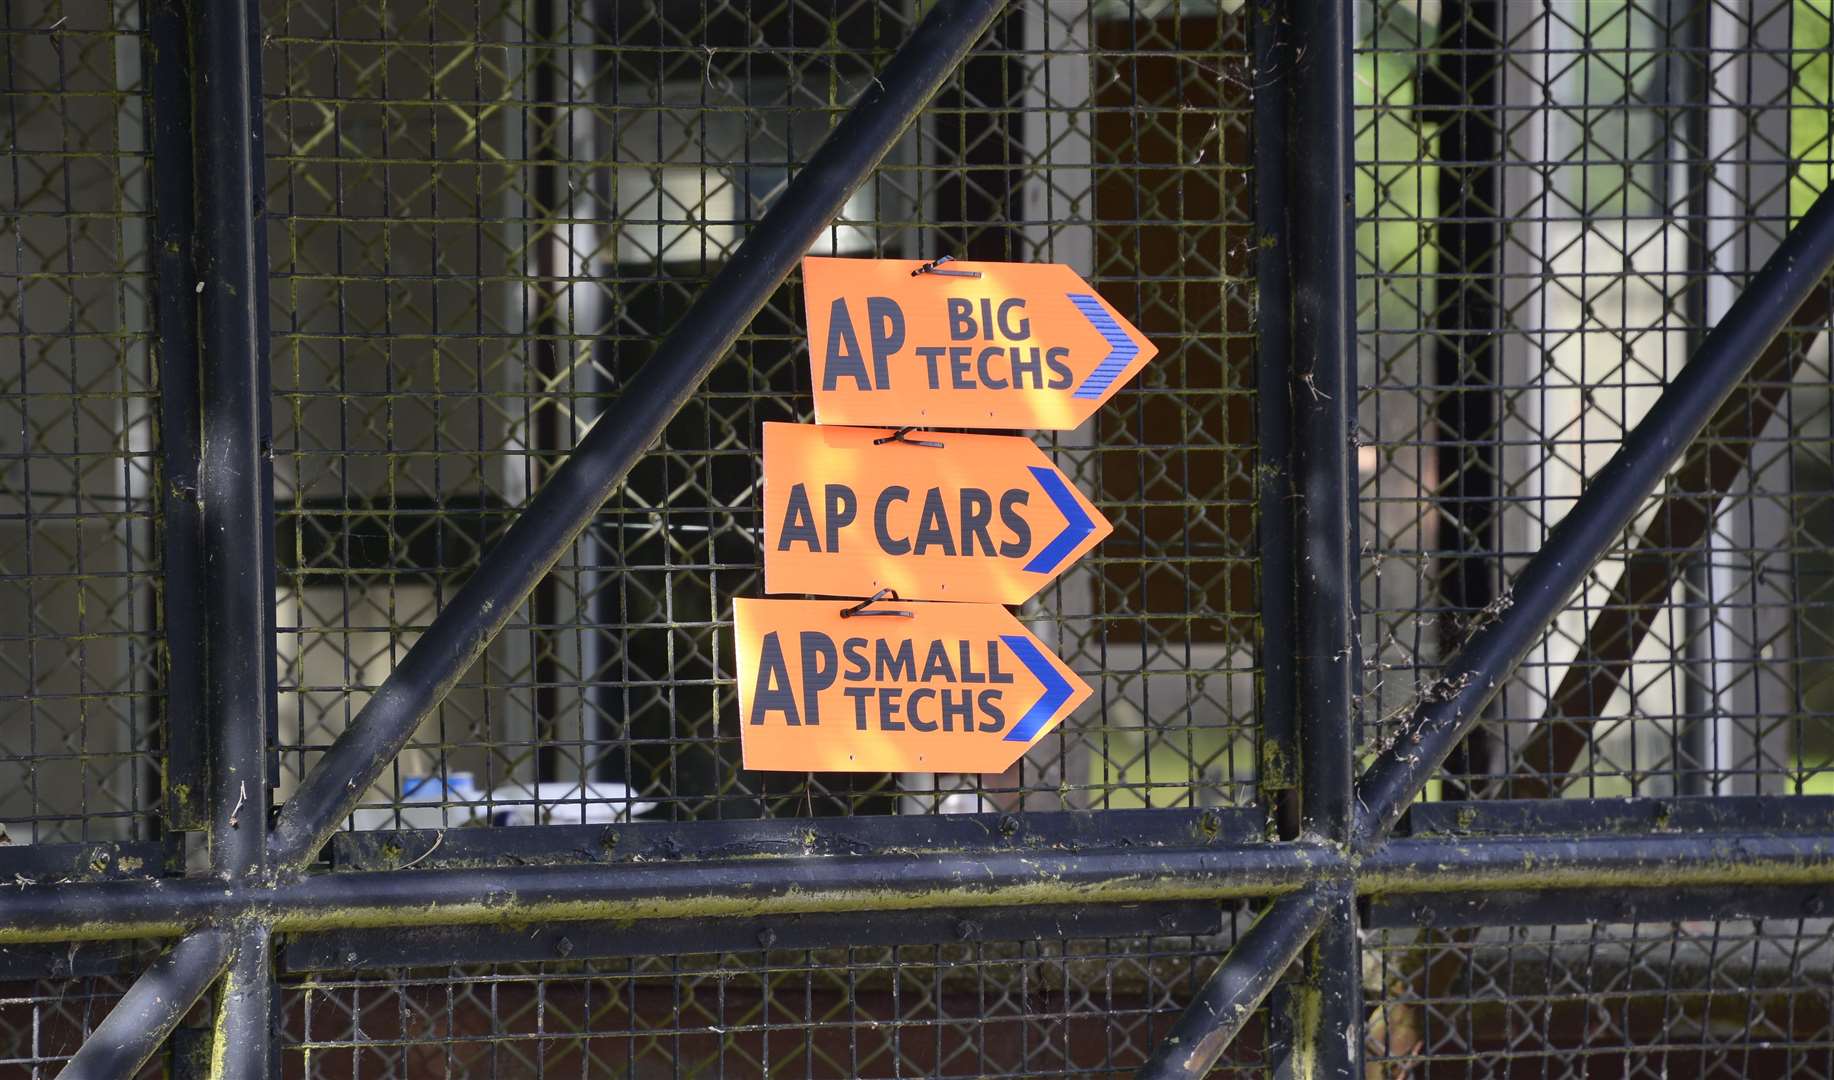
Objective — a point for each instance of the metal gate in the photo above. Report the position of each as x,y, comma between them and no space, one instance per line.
378,465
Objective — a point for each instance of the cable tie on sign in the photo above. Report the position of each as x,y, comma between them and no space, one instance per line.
934,266
903,435
863,607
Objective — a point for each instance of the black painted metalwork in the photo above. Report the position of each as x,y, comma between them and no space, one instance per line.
1460,91
1131,848
235,482
341,950
138,1025
1278,689
1219,1011
187,778
1321,379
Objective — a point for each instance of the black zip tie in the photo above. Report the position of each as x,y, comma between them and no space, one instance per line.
934,266
903,435
883,594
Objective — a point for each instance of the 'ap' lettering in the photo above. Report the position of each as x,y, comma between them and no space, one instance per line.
773,693
843,355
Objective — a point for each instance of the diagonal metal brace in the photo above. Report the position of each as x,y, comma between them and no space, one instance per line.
140,1022
567,502
1220,1010
1476,673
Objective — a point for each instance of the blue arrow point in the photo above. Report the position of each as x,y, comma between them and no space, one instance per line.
1056,688
1121,347
1077,525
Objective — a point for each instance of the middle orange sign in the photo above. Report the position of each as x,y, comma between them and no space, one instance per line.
982,518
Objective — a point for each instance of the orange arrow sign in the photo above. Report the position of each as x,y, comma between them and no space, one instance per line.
944,688
979,518
1016,345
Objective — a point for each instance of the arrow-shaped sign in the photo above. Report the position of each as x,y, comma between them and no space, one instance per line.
970,345
979,518
943,688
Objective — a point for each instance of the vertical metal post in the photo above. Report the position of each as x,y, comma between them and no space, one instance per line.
1308,395
1327,1007
1322,389
1321,384
175,313
232,287
1278,776
1461,93
244,1047
211,280
234,489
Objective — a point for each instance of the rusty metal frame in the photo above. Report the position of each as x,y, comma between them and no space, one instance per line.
1335,868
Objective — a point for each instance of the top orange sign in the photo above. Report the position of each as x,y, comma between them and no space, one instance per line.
969,345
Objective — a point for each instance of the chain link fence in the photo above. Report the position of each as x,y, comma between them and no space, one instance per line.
482,218
485,216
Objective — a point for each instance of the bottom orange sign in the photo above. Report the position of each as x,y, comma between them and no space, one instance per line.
950,688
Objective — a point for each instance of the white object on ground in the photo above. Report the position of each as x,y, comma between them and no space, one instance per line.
564,802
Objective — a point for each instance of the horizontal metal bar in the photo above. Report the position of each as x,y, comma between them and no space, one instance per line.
754,887
1588,817
32,864
650,841
1597,904
139,1023
1670,860
566,503
643,890
1474,675
1240,982
345,950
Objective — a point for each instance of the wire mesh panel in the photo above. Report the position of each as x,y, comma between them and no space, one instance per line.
483,219
1703,998
43,1022
1554,205
53,996
79,660
1052,1007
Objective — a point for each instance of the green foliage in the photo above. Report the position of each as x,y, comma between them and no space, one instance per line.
1811,97
1396,195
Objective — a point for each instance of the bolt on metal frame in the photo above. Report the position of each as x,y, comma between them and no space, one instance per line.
1337,850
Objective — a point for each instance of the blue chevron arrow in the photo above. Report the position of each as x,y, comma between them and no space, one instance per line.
1077,525
1056,688
1121,347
